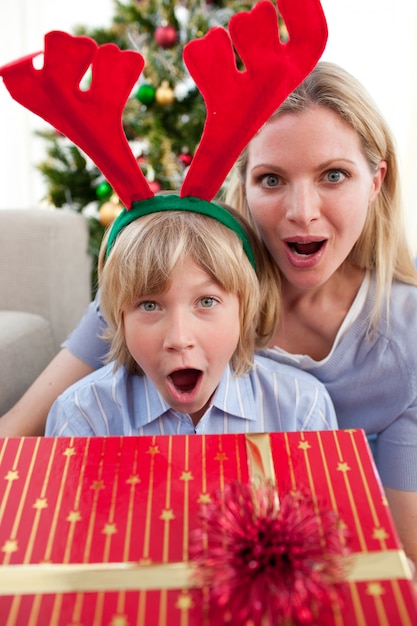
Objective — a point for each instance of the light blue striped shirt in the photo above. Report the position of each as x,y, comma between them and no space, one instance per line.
271,397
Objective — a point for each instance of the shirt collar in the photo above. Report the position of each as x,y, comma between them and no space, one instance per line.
233,396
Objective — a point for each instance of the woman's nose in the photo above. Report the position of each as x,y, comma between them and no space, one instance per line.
303,204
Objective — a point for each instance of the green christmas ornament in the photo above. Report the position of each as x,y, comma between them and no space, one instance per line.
146,94
103,190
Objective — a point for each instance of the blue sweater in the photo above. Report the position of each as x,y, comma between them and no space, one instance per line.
372,380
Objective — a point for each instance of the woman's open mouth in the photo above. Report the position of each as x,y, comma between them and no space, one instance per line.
306,249
304,255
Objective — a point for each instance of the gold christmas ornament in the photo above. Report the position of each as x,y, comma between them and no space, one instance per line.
109,210
164,95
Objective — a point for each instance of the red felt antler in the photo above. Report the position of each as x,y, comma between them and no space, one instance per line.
92,119
238,103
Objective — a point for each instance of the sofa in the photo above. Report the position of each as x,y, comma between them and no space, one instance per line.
45,285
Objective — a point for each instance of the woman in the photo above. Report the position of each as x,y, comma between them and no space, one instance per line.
320,181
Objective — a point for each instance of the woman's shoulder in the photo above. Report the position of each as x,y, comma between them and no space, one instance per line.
402,312
403,292
394,338
270,360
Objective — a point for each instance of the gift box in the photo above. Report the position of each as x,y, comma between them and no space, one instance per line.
96,531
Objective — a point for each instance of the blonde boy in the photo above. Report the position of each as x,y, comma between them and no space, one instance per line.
186,311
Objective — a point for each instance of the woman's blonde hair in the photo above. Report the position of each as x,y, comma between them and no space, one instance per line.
382,245
147,251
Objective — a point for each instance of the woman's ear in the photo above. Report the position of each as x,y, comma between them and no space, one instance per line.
378,179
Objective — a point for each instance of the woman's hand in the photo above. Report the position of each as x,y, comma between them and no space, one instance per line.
403,505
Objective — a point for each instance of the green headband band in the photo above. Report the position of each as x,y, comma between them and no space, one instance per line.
172,202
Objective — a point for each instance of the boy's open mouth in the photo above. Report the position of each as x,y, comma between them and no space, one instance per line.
305,249
185,380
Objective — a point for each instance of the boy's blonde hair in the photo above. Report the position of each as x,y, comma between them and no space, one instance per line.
145,254
382,245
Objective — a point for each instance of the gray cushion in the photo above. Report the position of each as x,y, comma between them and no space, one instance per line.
26,347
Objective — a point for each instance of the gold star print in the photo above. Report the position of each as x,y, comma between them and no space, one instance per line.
304,445
184,602
187,476
97,485
153,450
109,529
204,498
12,475
221,456
74,516
133,480
146,561
343,467
375,589
380,533
119,620
10,546
167,515
41,503
69,452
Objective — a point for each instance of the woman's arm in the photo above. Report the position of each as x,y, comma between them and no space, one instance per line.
403,505
28,416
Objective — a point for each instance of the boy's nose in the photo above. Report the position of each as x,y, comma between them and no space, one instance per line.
178,333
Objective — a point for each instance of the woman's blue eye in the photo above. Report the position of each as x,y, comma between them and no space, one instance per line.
335,176
270,180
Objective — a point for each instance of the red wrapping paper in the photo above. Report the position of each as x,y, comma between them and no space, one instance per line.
135,500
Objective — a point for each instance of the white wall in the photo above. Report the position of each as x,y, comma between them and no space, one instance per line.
376,40
23,24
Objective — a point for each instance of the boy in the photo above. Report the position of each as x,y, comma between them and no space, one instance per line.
186,310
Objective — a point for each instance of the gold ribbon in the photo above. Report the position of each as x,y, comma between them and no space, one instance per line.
90,577
260,461
381,565
83,577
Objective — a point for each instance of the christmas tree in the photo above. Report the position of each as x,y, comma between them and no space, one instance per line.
164,116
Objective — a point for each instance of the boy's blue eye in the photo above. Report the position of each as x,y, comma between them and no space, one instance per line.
148,306
207,302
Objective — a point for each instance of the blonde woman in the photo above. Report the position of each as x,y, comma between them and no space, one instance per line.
320,183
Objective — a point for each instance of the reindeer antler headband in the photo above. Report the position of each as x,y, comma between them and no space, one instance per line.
238,102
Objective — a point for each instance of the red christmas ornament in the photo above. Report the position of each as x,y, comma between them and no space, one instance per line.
268,560
166,36
185,158
154,186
